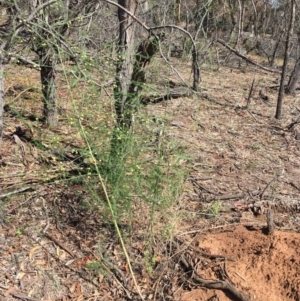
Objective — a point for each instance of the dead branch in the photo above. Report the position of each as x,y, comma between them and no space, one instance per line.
62,246
157,99
214,284
232,196
246,58
270,222
23,297
5,195
12,291
250,93
268,185
195,65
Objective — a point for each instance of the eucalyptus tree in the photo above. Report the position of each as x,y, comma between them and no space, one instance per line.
10,31
44,27
48,36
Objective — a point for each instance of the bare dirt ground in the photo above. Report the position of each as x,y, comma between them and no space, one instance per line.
242,162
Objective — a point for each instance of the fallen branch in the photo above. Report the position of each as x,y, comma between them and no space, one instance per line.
215,284
227,197
246,58
24,297
12,291
250,93
5,195
25,61
157,99
62,246
268,185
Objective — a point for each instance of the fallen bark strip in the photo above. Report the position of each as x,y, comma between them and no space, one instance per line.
5,195
61,245
13,292
227,197
201,186
157,99
214,284
246,58
24,297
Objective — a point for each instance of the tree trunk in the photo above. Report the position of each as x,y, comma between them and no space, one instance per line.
1,96
285,62
272,61
48,87
291,87
232,18
124,101
196,71
240,25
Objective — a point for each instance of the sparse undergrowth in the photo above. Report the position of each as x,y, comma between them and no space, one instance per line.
144,180
180,159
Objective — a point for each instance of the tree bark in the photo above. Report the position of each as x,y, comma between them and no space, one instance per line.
294,78
285,62
232,18
292,85
1,96
124,101
275,50
196,70
47,73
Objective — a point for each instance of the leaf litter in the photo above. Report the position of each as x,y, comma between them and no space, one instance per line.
243,162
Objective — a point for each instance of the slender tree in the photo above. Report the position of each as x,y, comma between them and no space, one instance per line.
48,35
286,57
126,57
294,78
10,33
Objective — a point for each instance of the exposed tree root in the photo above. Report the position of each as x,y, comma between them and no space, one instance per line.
213,284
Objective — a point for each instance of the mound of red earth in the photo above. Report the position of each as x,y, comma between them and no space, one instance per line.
265,268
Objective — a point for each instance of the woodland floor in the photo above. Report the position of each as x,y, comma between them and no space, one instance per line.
243,162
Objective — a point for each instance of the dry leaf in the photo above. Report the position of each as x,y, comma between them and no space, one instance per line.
78,288
72,288
80,298
31,253
40,262
126,267
20,275
9,291
158,259
62,255
69,262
